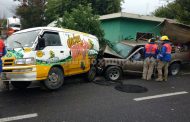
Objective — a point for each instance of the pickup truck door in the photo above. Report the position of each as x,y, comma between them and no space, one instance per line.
134,63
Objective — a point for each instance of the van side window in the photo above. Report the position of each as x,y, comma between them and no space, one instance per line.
52,39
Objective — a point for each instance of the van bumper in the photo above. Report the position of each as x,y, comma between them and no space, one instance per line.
19,73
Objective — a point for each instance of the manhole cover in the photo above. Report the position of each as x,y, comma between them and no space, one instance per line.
131,88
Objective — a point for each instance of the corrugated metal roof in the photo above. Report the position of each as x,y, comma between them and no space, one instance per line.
132,16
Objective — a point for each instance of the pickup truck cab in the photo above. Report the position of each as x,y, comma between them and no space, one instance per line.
48,54
128,56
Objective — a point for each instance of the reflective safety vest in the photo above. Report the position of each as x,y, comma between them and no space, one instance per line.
2,46
151,48
168,48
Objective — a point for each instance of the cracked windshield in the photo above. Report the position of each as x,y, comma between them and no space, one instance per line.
20,40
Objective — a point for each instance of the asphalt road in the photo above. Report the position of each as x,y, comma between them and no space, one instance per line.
78,101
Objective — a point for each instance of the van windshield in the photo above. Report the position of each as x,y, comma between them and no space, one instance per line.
20,40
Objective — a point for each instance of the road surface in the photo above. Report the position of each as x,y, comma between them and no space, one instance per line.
89,102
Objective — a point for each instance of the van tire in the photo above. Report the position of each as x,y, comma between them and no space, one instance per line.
55,79
91,74
21,84
113,73
174,69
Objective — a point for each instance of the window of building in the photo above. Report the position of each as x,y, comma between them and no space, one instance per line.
144,36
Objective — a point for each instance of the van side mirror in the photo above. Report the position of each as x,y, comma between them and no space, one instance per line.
41,43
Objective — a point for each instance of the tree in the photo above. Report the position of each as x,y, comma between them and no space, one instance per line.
168,11
102,7
56,8
82,19
31,13
183,14
179,9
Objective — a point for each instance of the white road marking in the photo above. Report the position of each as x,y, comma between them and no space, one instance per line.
187,73
8,119
159,96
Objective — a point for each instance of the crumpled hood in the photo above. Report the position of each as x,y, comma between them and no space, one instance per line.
111,52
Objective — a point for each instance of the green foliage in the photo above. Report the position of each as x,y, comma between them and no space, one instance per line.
82,19
183,9
56,8
168,11
179,9
32,14
103,7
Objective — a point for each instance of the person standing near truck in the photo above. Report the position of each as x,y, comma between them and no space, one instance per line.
2,53
151,51
164,58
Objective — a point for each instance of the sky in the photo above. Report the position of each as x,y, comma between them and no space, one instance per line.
143,7
7,8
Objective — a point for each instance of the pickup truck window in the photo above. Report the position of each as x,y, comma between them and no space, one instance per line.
138,56
20,40
122,49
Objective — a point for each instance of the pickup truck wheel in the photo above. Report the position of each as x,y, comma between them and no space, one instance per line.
21,84
55,79
91,74
113,73
174,69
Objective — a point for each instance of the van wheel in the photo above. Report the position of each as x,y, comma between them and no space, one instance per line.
21,84
174,69
90,76
113,73
55,79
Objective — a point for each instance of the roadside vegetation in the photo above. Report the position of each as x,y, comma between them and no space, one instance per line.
179,10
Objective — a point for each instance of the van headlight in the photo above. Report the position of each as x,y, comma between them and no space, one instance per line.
25,61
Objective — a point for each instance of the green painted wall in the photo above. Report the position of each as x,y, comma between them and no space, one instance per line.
111,29
121,28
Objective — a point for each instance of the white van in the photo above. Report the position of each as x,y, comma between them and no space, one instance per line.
48,54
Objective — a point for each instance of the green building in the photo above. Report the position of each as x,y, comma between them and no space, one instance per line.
125,26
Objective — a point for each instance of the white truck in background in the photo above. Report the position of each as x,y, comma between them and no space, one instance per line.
14,23
9,26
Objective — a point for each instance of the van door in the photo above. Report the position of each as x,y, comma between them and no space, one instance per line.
51,53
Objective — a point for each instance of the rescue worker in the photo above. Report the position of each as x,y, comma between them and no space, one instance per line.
164,57
2,53
151,51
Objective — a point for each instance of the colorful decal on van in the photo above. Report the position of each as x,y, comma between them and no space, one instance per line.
52,54
39,54
27,50
81,49
14,54
52,61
